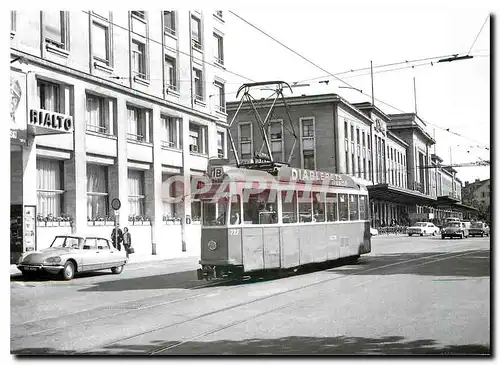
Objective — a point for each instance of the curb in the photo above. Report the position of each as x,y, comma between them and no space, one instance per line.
15,272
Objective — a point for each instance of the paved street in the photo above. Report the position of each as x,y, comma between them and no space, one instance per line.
411,295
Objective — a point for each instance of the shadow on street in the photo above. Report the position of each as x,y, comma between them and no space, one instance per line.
292,345
471,263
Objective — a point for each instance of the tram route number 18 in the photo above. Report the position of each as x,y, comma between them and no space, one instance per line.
217,172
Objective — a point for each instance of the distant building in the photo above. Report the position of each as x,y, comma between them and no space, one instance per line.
390,154
478,195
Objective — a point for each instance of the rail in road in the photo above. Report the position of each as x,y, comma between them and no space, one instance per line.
194,321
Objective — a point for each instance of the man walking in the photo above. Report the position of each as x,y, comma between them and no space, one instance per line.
127,240
117,237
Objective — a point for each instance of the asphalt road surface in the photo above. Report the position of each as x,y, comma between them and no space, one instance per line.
410,295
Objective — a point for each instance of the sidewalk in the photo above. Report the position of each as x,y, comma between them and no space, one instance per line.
136,259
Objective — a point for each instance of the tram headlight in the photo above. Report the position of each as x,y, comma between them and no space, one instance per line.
212,245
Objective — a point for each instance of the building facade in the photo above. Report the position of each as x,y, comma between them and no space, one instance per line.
110,105
390,154
478,195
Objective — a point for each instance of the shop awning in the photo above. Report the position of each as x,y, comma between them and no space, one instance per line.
397,194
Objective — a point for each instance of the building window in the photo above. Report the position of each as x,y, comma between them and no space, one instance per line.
139,59
218,49
50,96
169,22
198,84
97,191
56,28
196,33
220,145
276,134
307,135
136,193
220,98
101,45
197,138
245,136
170,130
138,127
50,193
170,73
99,111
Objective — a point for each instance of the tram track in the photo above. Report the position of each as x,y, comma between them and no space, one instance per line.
113,308
94,350
286,305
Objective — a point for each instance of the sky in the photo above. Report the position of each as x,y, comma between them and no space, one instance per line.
453,95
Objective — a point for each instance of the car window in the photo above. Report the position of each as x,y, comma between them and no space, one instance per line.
73,242
102,244
90,244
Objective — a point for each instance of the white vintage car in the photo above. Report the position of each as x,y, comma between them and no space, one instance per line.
68,255
423,228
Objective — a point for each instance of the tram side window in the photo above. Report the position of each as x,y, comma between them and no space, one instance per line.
289,206
353,207
318,207
260,208
235,210
363,207
331,207
215,213
305,206
343,207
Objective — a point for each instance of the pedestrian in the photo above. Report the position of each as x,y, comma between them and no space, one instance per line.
127,240
117,237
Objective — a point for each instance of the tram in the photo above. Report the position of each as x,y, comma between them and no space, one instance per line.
257,221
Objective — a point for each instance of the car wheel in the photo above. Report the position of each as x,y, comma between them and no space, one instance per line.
68,272
117,270
434,233
409,234
421,234
443,237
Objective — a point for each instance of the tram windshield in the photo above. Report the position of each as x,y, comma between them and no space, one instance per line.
217,213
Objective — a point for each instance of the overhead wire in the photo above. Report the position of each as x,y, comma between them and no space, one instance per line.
336,77
480,30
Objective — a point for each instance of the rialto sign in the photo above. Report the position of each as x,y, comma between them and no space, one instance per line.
47,122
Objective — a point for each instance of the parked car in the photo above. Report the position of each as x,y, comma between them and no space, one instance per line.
68,255
455,229
421,228
373,232
479,229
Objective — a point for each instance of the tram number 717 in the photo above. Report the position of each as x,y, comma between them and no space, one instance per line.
234,232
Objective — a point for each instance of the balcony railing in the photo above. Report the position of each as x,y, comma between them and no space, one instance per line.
417,186
135,137
219,61
196,45
220,108
170,31
168,144
96,128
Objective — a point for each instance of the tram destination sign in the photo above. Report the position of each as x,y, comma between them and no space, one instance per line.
316,177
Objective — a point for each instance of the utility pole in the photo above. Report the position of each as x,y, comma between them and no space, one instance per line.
415,93
373,94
